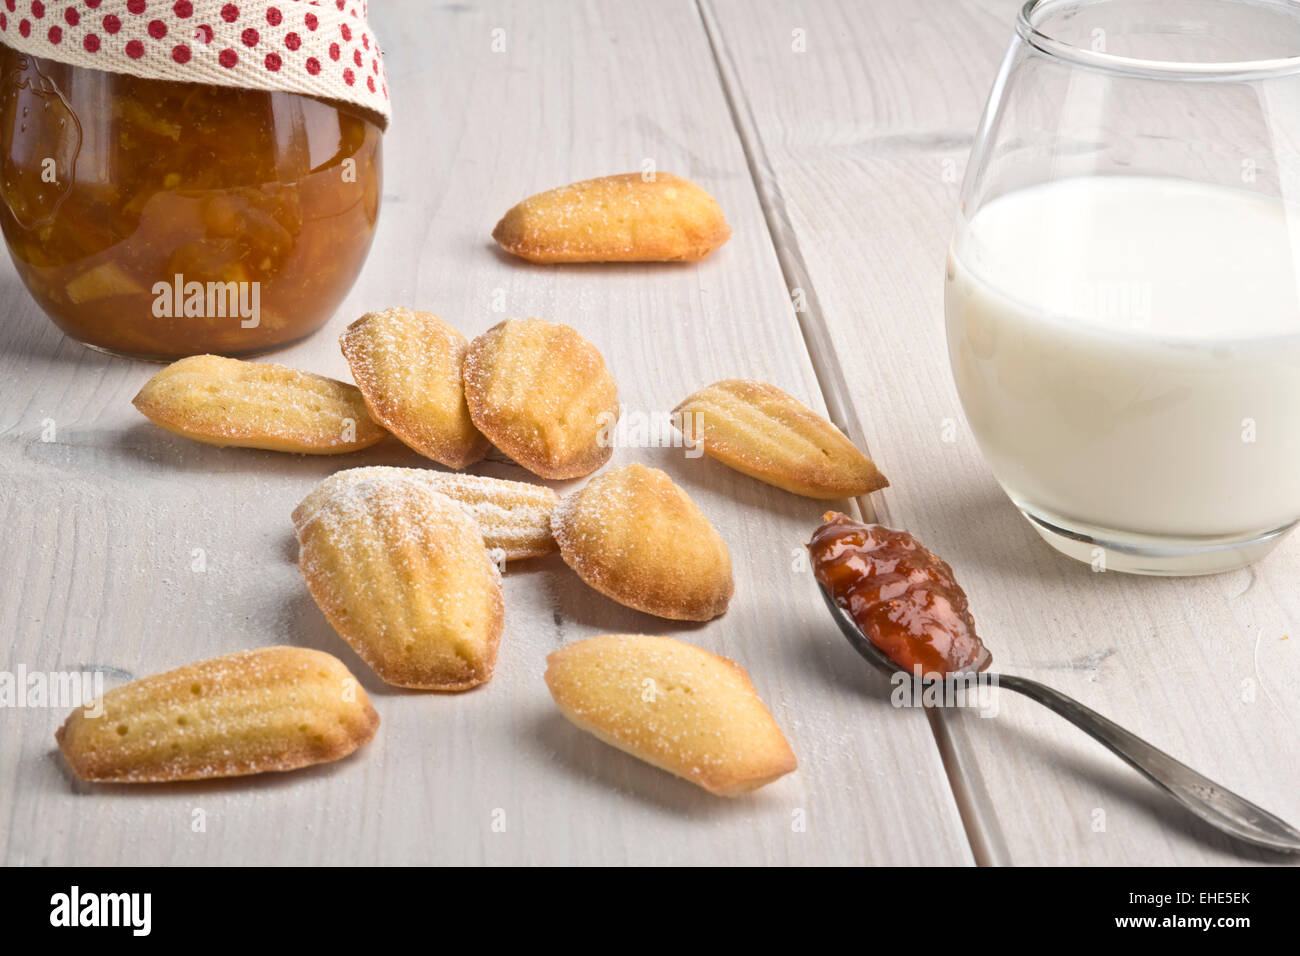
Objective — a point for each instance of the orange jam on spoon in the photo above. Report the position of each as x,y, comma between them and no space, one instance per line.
901,595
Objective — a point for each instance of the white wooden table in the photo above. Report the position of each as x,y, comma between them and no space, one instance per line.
834,134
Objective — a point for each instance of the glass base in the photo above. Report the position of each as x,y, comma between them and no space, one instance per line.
168,359
1142,554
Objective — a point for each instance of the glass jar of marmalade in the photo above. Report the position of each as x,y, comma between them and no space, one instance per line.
160,219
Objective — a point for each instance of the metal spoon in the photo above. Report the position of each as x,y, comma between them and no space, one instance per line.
1216,805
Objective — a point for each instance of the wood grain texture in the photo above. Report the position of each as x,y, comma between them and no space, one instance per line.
130,549
864,138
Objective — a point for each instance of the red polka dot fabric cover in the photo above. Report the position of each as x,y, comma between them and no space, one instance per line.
322,48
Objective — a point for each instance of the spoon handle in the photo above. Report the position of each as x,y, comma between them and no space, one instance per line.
1216,805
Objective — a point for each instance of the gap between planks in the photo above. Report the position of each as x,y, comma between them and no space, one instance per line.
987,844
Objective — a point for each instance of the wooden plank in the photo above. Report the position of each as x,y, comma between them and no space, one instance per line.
103,522
864,137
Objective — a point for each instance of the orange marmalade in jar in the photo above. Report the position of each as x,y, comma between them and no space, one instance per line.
160,219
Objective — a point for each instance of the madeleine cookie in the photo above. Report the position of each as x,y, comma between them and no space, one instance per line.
402,574
224,401
762,432
276,708
408,367
634,536
627,218
673,705
542,394
513,517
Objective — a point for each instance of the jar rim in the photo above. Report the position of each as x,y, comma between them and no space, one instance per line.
1029,29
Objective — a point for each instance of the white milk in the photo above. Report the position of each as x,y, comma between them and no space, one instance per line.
1127,350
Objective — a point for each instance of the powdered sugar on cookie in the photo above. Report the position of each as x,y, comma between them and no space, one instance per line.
403,575
513,517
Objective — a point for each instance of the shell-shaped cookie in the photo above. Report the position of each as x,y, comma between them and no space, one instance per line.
627,218
542,394
402,574
673,705
636,537
224,401
760,431
408,367
513,517
275,708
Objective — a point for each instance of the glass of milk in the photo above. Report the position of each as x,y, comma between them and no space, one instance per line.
1123,288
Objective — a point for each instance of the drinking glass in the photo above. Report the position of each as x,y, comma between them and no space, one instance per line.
1123,286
